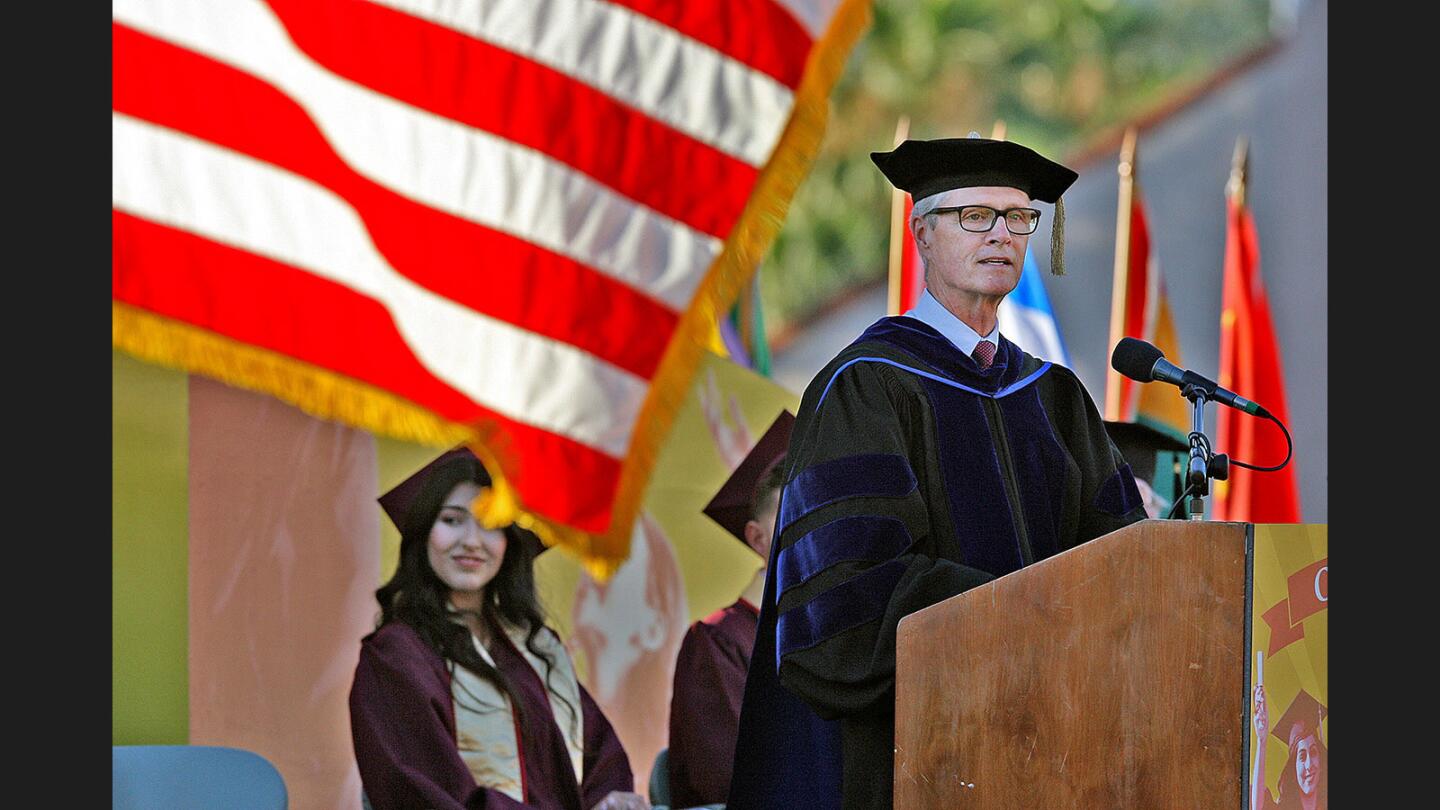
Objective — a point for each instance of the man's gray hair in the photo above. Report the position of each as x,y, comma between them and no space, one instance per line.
925,205
920,208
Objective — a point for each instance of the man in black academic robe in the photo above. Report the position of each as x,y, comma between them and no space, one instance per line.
930,456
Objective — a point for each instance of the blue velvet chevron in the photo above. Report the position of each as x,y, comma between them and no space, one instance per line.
858,537
867,475
845,606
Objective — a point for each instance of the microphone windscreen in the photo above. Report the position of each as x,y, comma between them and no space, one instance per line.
1135,359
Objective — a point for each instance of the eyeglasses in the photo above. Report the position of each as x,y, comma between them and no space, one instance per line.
981,218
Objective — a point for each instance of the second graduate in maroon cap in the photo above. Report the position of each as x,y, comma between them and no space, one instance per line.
715,654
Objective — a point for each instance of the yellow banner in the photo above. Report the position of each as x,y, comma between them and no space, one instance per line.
1289,695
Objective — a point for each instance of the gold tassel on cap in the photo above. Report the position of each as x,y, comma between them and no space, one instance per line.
1057,239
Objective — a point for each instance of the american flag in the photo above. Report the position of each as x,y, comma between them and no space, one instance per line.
506,221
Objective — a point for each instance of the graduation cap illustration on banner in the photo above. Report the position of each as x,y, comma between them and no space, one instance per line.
1301,719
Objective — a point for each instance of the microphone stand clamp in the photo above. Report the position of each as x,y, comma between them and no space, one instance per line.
1204,465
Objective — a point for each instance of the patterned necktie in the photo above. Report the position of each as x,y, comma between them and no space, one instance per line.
984,353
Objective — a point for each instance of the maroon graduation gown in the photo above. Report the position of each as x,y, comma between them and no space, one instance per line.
402,723
705,705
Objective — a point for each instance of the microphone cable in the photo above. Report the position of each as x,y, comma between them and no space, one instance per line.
1199,440
1289,448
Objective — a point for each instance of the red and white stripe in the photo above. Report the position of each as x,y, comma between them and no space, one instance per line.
497,210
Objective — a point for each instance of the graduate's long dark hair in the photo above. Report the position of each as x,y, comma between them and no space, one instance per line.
418,597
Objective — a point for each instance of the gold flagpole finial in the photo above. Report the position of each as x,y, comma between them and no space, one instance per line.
1239,171
1127,153
902,129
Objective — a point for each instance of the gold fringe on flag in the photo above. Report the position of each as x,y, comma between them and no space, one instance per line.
314,390
323,394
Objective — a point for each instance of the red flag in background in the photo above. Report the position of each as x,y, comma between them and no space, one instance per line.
907,274
1140,309
1250,366
480,222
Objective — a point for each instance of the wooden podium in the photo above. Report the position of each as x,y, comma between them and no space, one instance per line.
1114,675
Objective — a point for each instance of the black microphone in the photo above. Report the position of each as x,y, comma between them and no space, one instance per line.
1141,361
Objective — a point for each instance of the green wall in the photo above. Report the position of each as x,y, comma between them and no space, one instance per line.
395,461
149,679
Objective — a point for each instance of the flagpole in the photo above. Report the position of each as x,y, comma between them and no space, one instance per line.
1118,302
747,318
1239,168
897,228
1235,192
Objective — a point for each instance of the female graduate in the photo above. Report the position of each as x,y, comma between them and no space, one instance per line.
1305,782
463,697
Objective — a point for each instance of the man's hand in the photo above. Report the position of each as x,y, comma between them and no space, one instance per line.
622,801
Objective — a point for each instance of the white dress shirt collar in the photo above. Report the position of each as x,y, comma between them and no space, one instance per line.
932,312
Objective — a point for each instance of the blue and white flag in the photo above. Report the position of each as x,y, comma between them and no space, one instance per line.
1027,320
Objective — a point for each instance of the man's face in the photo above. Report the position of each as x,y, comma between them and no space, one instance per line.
760,532
963,266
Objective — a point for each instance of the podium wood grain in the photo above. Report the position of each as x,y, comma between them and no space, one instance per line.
1110,676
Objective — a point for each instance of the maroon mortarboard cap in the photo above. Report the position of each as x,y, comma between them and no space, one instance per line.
531,540
924,168
401,497
731,505
1300,720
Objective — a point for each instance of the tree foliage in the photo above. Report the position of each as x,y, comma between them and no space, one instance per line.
1057,72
